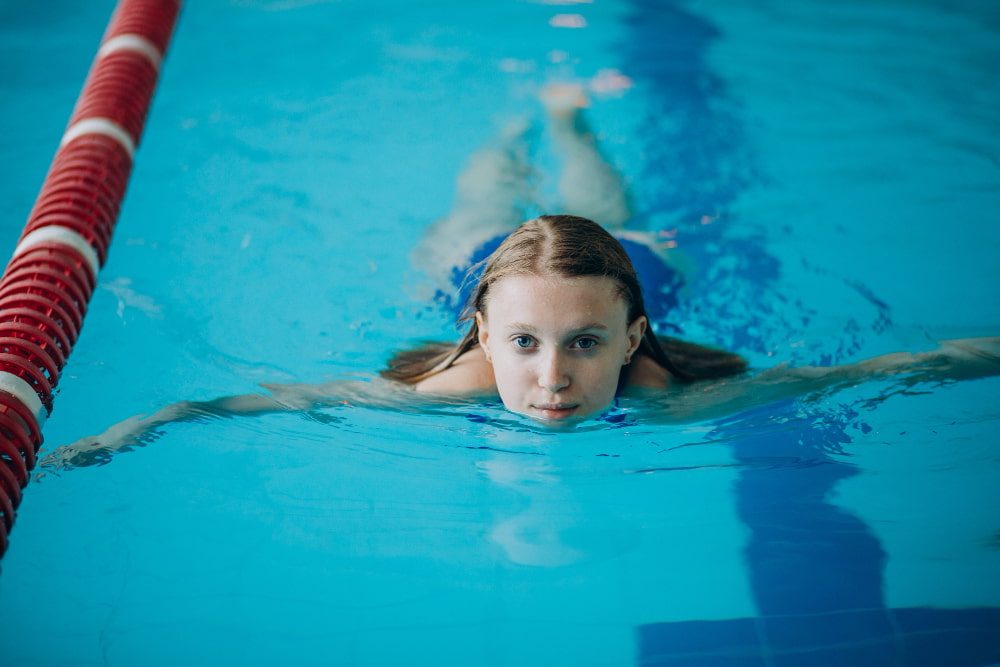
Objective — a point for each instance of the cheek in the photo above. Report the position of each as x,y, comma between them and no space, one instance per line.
508,374
604,377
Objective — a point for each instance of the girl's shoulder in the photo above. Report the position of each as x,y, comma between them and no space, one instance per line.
470,375
644,372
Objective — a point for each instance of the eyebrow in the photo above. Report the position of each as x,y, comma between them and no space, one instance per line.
520,326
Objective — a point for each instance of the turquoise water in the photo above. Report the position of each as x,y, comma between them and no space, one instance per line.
830,175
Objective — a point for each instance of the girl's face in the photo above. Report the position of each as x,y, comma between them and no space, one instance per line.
557,345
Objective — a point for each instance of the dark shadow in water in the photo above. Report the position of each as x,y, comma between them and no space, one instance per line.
697,157
816,570
697,164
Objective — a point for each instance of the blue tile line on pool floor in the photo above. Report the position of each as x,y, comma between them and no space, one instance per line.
915,637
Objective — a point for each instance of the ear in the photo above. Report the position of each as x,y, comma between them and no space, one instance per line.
484,335
635,332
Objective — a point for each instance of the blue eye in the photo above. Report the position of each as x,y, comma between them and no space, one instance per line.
523,341
585,343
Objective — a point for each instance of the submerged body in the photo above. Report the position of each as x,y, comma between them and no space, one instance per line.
559,318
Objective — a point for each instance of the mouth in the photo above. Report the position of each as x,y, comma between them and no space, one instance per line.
556,411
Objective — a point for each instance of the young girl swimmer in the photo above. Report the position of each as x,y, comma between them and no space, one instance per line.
558,329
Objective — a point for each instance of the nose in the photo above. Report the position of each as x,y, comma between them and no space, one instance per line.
553,374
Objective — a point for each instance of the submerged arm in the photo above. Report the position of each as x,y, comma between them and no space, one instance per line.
139,430
953,360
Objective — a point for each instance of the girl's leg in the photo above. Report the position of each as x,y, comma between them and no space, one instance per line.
588,185
492,195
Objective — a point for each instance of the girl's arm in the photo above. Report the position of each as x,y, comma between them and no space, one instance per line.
953,360
140,430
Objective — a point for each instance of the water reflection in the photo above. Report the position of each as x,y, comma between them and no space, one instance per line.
534,536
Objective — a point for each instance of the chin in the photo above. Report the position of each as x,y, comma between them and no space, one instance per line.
554,424
557,416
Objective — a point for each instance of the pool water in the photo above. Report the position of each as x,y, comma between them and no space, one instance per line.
829,176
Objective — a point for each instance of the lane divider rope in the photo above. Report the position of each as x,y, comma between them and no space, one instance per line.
63,236
52,273
100,126
24,392
136,43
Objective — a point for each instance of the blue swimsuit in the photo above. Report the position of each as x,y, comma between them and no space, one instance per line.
659,282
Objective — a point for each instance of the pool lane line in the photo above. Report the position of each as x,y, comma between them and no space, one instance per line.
47,285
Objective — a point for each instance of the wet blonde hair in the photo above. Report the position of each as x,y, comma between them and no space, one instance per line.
568,246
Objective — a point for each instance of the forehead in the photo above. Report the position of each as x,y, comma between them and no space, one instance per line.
556,302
